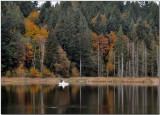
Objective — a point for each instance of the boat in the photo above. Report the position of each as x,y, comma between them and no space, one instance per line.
63,84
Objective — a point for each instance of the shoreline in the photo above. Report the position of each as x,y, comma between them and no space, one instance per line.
93,81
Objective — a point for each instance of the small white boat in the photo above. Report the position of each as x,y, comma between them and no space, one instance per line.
63,84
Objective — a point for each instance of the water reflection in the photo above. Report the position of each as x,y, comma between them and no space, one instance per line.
79,99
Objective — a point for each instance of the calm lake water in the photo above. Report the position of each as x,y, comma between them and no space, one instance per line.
47,99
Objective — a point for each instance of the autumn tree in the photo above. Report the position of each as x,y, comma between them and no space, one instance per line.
34,17
31,30
62,65
41,40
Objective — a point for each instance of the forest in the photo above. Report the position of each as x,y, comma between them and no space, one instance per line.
79,38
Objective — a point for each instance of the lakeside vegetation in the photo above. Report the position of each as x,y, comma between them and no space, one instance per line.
80,38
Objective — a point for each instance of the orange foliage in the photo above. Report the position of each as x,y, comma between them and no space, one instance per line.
112,39
123,15
34,73
31,30
103,43
34,17
29,52
100,41
126,36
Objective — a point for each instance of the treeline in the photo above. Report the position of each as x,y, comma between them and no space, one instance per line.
80,38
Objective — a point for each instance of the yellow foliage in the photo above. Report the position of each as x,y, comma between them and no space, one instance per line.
31,30
42,35
34,73
43,32
34,17
75,71
8,73
47,73
110,66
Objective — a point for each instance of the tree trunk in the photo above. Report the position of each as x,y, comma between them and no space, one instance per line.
114,65
98,59
34,58
80,63
143,65
118,66
159,61
145,61
122,65
137,70
133,60
42,59
129,67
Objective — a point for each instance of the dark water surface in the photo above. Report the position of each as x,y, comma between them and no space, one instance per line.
79,99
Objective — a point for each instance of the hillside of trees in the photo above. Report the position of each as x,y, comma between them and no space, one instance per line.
79,38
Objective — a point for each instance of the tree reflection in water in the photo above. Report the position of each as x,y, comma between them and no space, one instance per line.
79,99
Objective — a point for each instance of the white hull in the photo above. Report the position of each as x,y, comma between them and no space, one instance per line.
63,84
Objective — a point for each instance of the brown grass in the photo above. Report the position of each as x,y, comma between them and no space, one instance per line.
142,81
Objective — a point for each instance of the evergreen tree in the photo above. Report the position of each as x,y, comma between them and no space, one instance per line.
12,28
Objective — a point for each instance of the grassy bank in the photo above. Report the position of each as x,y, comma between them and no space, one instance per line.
142,81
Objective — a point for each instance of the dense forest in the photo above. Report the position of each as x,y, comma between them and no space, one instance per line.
79,38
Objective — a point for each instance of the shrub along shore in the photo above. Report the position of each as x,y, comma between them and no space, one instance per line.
142,81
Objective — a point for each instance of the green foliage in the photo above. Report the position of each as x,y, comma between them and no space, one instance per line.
74,28
12,28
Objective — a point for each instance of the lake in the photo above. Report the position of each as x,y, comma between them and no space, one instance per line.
52,99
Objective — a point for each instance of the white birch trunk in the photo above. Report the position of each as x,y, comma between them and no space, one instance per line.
42,59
